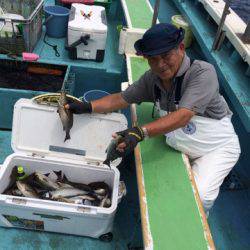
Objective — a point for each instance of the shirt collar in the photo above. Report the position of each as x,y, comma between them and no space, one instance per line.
184,66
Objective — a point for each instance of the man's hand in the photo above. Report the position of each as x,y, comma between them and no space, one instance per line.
79,107
130,138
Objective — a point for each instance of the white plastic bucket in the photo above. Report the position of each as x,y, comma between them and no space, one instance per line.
179,21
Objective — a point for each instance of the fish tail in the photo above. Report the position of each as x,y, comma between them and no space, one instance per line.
67,137
107,162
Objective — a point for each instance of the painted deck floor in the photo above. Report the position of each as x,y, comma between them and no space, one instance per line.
112,62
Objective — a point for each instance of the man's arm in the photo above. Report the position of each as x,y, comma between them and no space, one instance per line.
109,103
104,105
170,122
163,125
137,92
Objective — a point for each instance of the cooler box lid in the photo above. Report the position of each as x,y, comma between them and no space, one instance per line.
38,129
87,18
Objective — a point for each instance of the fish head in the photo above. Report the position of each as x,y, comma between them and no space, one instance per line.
39,176
62,99
111,151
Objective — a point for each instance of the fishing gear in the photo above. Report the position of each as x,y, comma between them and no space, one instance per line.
57,54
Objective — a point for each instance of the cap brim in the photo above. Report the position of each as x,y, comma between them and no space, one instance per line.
137,47
157,52
139,51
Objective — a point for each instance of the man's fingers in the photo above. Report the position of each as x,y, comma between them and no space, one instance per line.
121,147
66,106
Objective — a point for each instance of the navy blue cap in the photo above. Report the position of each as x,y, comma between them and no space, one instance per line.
159,39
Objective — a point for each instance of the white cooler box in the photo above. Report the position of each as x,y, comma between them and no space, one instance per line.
37,140
87,32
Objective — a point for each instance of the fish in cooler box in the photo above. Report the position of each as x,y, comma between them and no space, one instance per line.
81,162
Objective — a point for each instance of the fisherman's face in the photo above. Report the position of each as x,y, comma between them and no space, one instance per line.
166,65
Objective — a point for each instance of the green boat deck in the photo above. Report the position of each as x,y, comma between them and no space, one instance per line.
170,214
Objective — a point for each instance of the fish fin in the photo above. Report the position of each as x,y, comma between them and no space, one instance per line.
58,174
107,162
67,137
64,179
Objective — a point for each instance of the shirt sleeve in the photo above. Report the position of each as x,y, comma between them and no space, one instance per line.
141,90
202,85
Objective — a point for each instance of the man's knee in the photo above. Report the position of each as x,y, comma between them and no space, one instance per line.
207,197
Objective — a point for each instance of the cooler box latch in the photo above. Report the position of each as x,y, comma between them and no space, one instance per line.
82,39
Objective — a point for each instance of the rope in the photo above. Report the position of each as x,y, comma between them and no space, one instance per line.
57,54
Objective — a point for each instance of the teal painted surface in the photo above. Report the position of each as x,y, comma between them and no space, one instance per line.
8,97
96,79
230,217
106,75
112,61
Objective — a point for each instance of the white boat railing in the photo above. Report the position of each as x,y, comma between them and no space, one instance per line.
234,26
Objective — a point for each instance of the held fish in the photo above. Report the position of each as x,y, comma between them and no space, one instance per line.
112,152
66,115
26,190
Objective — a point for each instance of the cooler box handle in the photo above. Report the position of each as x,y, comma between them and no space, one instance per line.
22,201
82,39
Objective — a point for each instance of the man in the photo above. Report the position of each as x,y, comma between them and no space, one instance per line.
194,117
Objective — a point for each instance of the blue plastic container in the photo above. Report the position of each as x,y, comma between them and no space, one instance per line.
94,94
56,20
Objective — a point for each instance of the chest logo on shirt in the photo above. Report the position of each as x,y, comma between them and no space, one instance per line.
189,129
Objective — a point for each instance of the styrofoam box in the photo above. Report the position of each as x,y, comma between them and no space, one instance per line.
37,131
95,27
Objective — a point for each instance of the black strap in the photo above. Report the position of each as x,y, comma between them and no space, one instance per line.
178,81
157,93
157,97
57,54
